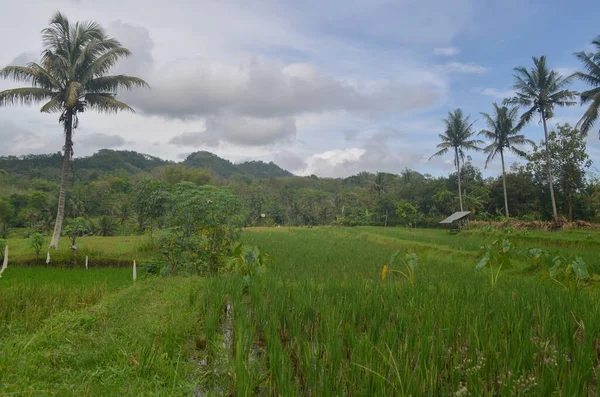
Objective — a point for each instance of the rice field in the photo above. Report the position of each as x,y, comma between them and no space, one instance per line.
320,322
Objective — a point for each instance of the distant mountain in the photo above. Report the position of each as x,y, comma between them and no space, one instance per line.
225,168
212,162
49,166
260,169
111,160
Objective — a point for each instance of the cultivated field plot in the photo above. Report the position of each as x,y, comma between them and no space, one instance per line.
320,322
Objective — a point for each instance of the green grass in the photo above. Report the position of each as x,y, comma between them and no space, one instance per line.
320,322
135,341
101,251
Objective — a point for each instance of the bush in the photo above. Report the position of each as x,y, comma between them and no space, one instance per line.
203,225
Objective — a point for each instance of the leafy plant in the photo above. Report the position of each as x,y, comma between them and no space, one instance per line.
537,256
410,262
568,272
203,225
4,229
248,262
495,257
106,226
36,242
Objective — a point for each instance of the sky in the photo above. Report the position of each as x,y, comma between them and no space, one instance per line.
328,88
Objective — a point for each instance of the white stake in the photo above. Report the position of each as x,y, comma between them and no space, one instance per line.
134,272
86,262
5,263
48,258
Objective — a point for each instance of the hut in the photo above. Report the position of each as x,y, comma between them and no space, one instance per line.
457,221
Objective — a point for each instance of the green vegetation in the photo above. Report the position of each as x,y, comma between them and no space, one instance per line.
316,317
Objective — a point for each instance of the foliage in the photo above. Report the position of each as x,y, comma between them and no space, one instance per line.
248,262
106,226
410,262
568,271
76,228
590,62
203,223
36,243
151,201
568,151
4,229
495,256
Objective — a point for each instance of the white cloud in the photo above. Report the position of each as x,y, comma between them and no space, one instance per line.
265,88
241,131
102,141
459,67
446,51
289,161
495,93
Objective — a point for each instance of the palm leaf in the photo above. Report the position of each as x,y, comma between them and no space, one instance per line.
24,96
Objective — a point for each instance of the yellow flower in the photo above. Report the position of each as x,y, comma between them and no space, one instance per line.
384,272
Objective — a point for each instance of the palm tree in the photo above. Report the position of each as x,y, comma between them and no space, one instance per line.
591,63
540,90
503,132
457,136
71,78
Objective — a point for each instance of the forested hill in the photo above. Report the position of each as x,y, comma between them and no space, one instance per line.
225,168
48,166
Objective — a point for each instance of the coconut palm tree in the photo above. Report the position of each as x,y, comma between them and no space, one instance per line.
504,133
540,90
591,76
70,79
457,137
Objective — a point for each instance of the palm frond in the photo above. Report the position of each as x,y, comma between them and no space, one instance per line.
113,83
106,103
439,153
590,116
24,96
54,105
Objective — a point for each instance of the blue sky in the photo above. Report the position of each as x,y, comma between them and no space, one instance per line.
330,88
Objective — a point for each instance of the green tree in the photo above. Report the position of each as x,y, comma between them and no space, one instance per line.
591,76
568,149
151,200
36,242
540,90
457,136
71,78
504,133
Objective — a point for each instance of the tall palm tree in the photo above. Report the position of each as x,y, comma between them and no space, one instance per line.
591,76
71,78
540,90
457,136
504,133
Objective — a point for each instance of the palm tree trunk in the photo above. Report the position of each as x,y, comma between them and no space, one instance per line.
68,149
458,173
504,186
549,168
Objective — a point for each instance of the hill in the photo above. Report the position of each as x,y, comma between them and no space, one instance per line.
48,166
226,169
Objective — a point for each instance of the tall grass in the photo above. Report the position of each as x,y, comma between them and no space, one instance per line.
322,322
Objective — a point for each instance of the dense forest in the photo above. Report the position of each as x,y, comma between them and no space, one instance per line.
103,190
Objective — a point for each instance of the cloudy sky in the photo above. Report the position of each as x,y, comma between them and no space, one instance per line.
325,87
